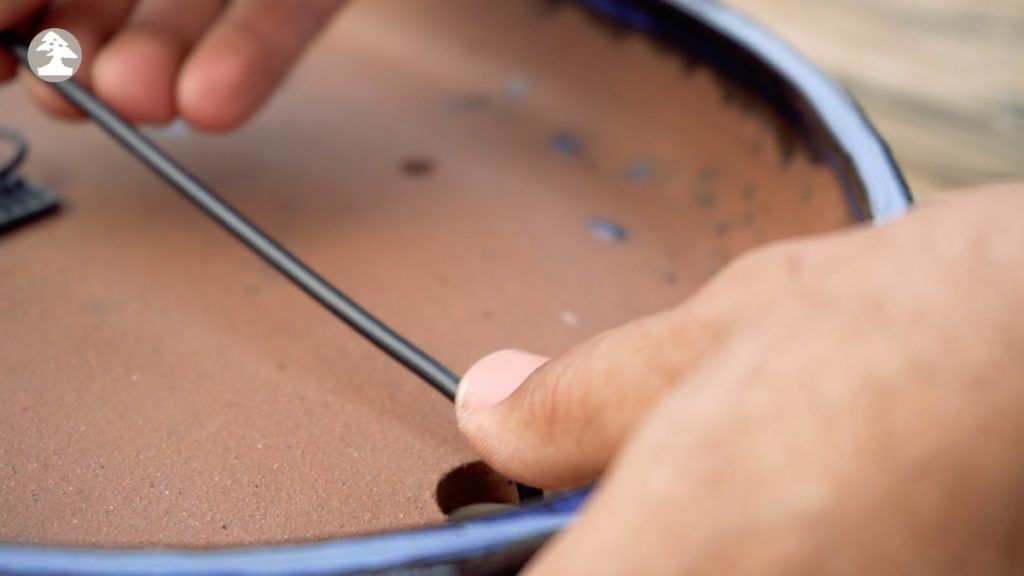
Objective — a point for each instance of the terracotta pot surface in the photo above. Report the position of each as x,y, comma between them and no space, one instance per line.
478,174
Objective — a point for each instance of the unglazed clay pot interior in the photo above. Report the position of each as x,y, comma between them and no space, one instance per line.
480,175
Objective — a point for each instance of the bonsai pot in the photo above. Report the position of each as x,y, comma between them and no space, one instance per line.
480,175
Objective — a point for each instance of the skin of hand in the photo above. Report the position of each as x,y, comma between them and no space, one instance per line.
212,62
851,403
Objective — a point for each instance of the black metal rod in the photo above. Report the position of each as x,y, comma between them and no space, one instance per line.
423,365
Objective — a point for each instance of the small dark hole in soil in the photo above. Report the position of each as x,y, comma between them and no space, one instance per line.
417,167
474,485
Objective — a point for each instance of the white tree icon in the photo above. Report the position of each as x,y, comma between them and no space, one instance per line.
58,49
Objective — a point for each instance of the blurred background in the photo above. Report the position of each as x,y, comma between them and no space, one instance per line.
943,80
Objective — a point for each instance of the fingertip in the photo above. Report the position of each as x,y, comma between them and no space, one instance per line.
217,90
498,435
244,58
493,378
135,75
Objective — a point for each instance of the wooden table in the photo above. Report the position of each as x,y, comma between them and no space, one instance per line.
943,81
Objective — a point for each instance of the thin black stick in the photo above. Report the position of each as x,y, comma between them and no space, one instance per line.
416,360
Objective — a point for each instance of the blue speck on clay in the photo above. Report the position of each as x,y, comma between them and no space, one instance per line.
471,102
566,144
723,228
607,231
516,87
640,171
97,307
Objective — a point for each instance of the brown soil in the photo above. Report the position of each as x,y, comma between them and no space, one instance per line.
478,174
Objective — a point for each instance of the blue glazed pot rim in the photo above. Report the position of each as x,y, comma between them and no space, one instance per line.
875,189
513,535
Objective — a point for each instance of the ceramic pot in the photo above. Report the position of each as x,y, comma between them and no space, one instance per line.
480,175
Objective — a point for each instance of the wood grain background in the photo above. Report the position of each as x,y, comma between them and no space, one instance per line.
942,79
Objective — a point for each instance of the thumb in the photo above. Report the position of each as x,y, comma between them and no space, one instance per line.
557,423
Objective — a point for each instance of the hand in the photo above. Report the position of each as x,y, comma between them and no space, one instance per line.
211,62
846,404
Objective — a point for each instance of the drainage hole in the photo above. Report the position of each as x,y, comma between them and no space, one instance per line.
474,489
